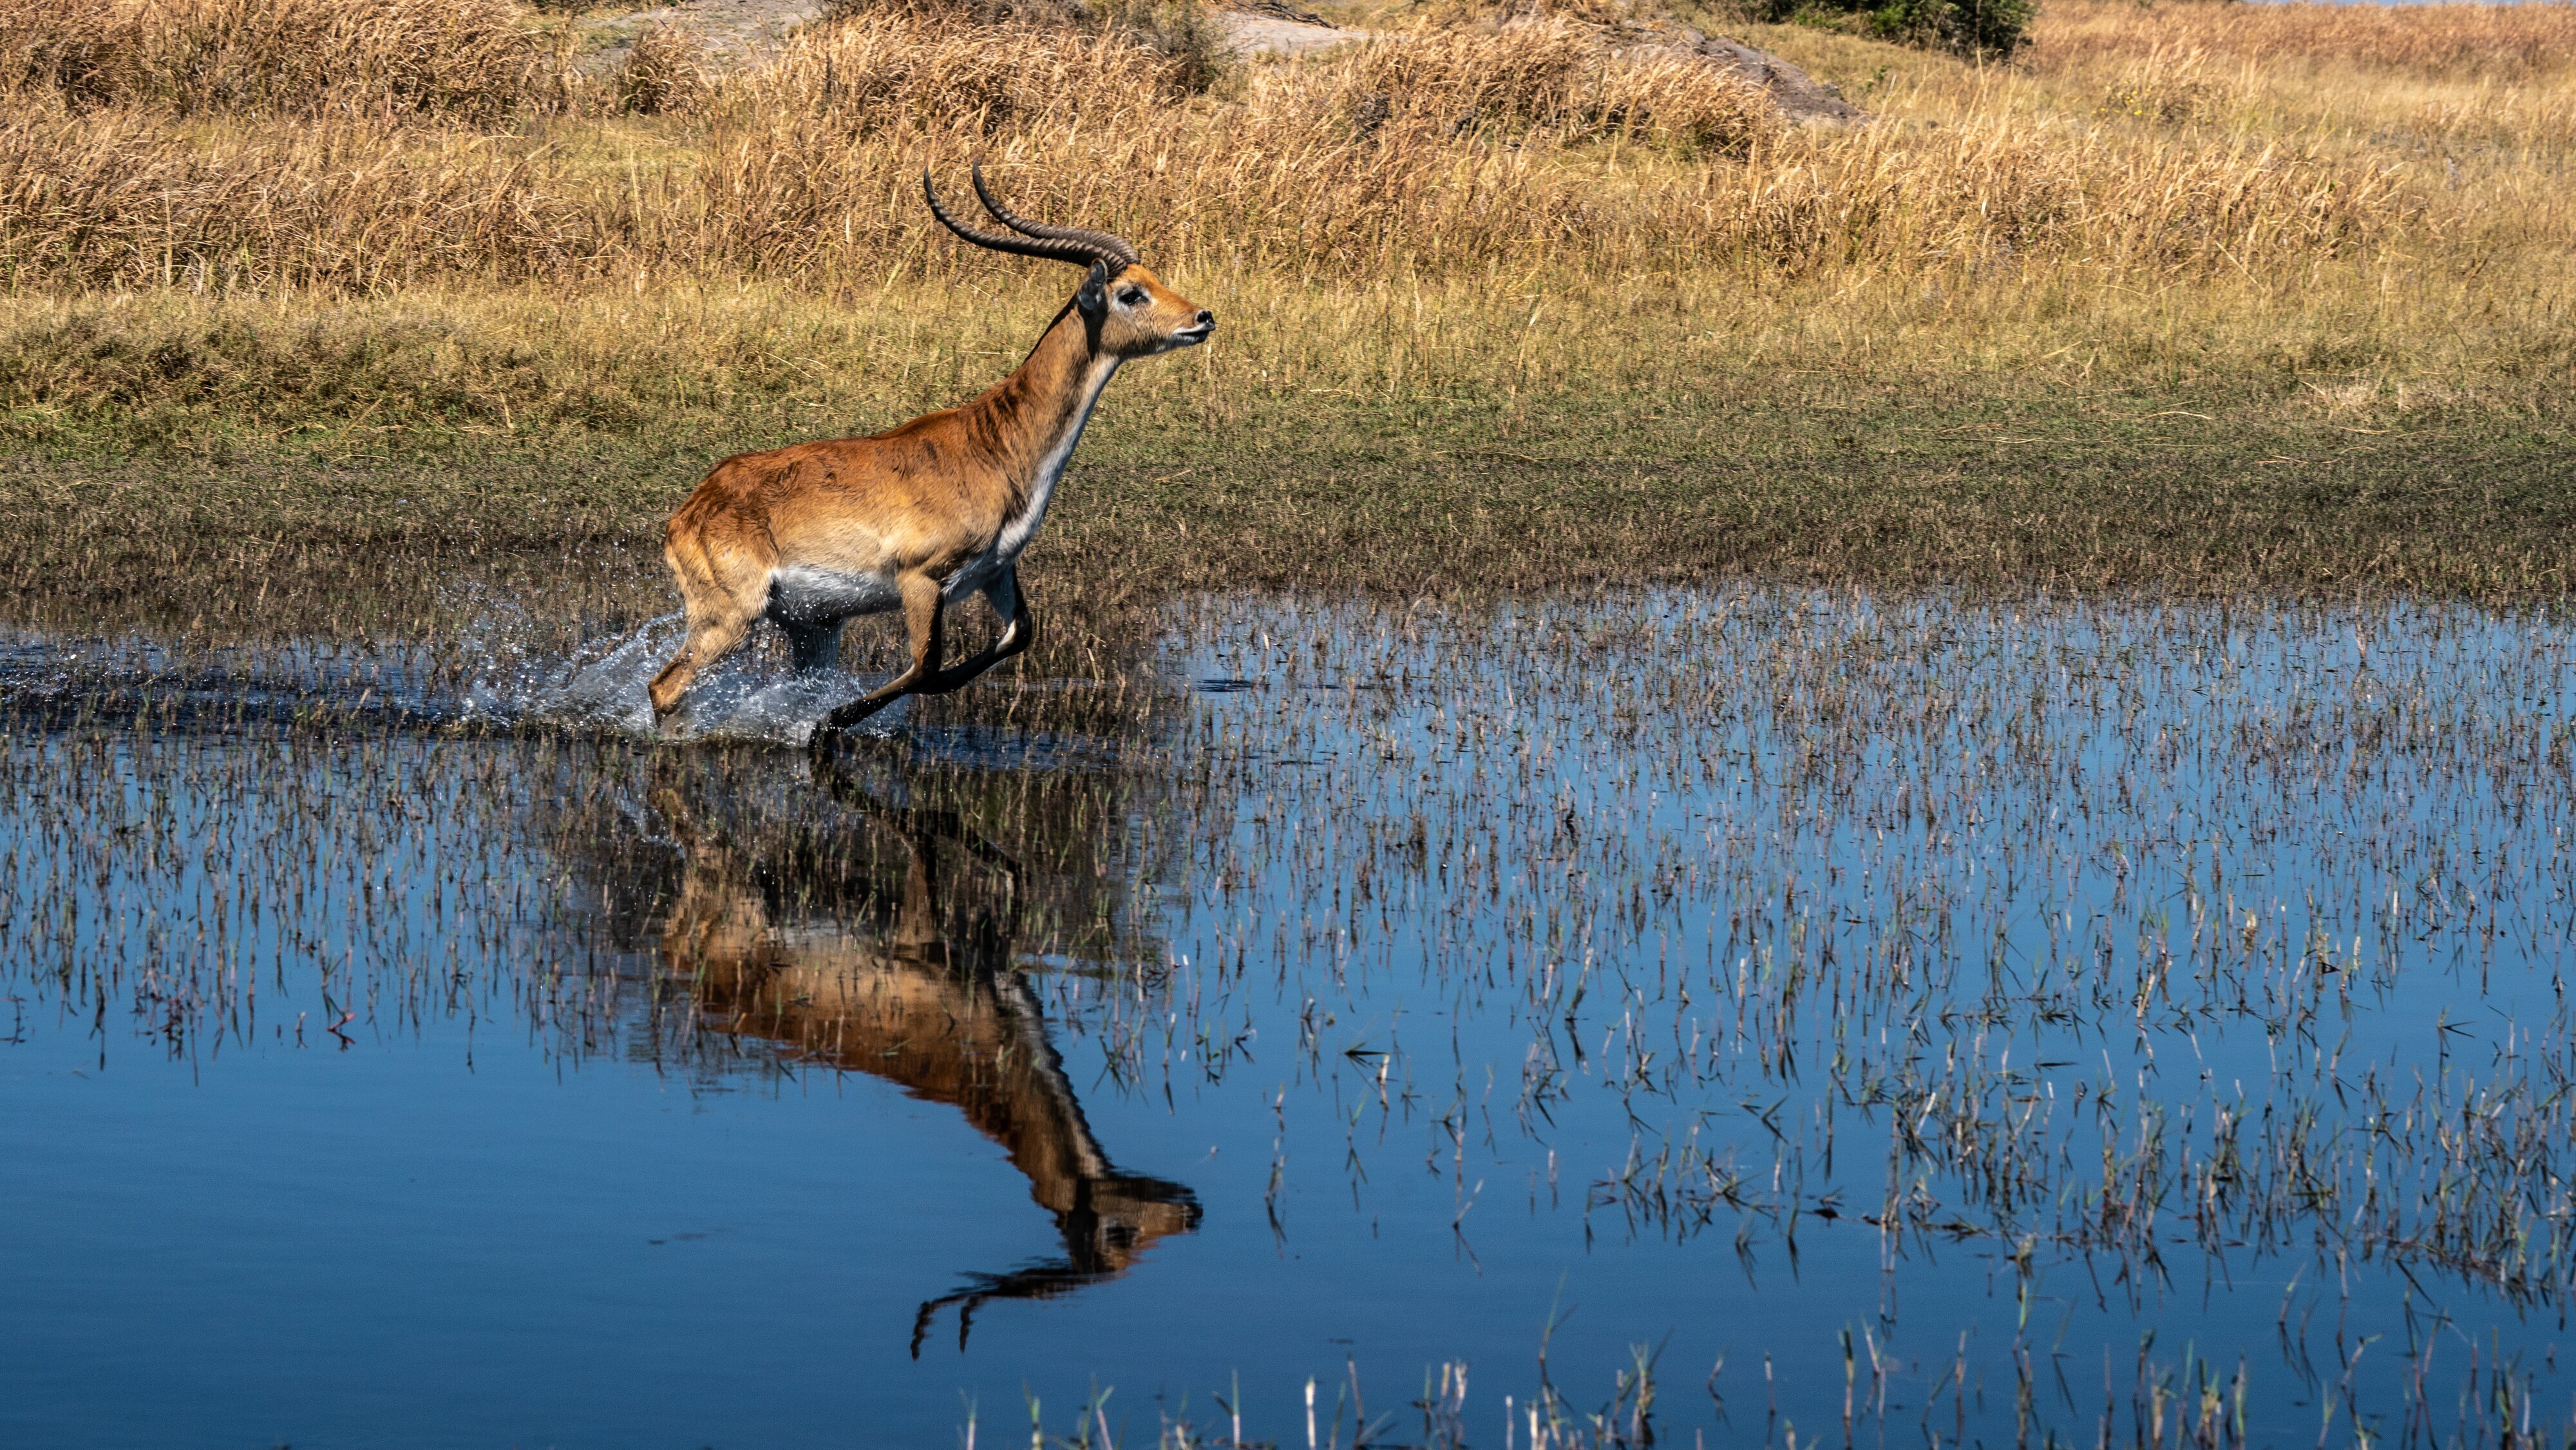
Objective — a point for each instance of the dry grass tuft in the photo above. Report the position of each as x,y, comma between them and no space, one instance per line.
1182,32
125,198
1560,78
471,60
2169,84
908,74
664,73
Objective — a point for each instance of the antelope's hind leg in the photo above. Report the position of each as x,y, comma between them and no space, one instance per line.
723,593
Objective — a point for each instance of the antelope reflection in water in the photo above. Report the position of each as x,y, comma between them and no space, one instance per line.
933,1002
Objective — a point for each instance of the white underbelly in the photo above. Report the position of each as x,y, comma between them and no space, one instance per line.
974,574
807,595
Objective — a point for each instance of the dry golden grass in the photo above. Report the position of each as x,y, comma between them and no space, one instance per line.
474,60
125,197
2521,42
1456,152
240,144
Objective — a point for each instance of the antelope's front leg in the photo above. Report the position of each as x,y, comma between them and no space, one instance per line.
921,614
1019,631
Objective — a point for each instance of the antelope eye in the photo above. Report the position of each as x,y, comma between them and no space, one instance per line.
1132,297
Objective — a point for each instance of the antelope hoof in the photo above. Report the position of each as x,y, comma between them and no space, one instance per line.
662,713
836,724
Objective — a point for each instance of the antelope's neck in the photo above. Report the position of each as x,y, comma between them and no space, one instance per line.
1037,416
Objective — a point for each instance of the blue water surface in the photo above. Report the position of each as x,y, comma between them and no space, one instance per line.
1886,1016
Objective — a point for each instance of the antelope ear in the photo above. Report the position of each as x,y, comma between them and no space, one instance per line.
1093,299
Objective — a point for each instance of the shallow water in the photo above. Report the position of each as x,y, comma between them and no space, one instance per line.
1892,1018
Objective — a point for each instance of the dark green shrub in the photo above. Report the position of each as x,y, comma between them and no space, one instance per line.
1969,27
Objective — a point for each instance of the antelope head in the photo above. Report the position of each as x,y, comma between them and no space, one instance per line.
1130,312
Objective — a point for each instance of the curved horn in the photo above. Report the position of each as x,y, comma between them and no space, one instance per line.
1053,249
1110,248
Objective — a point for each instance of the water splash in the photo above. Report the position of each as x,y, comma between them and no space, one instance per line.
497,677
745,698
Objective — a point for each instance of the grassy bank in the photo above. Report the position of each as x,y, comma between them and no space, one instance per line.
2200,297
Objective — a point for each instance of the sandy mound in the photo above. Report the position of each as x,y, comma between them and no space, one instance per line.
734,32
1800,96
1274,27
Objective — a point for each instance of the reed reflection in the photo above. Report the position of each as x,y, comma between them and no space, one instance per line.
918,982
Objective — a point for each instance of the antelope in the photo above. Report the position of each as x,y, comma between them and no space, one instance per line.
935,1005
940,508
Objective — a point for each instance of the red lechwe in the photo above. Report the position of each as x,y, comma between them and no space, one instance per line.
941,507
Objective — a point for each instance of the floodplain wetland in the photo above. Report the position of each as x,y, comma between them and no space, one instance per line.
1709,779
1717,1014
